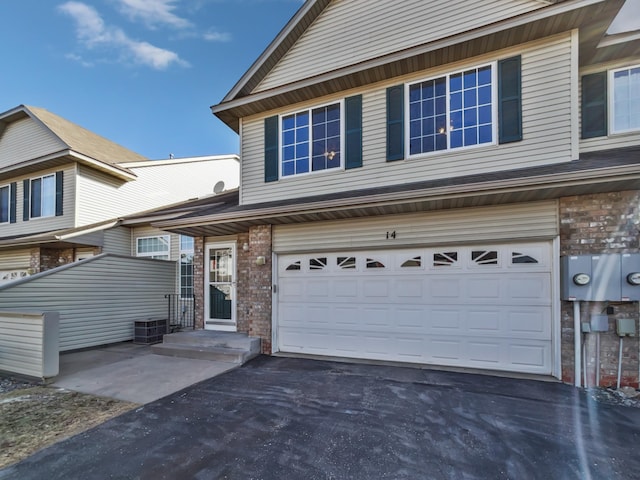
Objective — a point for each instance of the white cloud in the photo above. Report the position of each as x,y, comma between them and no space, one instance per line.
153,12
214,36
94,33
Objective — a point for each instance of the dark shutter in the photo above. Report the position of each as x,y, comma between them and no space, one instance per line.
36,198
59,192
594,105
510,100
353,132
13,187
271,149
395,123
25,199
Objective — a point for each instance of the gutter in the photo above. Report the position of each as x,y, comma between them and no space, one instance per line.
473,189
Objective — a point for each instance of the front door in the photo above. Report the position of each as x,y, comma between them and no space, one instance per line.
220,287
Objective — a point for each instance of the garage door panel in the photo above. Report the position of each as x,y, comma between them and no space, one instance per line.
442,306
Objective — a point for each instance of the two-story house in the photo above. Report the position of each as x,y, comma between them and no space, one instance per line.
412,173
64,189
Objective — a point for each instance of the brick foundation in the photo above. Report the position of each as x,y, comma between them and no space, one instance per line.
599,224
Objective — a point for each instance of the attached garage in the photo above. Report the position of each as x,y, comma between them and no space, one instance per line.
485,305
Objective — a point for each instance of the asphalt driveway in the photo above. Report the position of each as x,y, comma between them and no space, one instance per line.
279,418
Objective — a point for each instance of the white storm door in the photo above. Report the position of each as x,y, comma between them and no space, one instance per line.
220,287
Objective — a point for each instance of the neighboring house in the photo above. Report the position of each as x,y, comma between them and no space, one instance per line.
63,190
411,174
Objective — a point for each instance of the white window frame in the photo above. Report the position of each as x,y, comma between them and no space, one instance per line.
448,75
611,100
155,254
186,251
8,187
309,111
42,198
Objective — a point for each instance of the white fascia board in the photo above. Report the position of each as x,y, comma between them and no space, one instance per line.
105,167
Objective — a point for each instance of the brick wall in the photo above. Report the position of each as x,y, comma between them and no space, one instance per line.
258,295
55,257
244,301
597,224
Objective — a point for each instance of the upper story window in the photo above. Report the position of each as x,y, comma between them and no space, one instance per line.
452,111
153,247
311,140
625,99
5,199
43,196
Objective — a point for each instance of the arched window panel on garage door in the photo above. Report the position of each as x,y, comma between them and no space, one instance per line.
373,263
414,262
346,263
445,259
318,263
294,267
481,258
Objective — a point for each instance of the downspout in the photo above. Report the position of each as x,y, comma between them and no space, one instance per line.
577,341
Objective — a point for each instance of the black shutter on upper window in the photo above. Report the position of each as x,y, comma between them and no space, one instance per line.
594,105
395,123
59,192
271,149
510,100
25,199
13,187
353,132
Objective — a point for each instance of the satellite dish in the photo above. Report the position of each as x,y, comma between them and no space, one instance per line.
218,187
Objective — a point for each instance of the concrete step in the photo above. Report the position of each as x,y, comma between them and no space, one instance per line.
227,347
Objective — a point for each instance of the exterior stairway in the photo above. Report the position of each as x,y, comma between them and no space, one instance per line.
227,347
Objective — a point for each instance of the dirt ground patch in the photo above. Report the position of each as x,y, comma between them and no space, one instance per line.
33,417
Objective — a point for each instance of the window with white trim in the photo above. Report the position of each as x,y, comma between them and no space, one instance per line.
5,203
153,247
452,111
43,196
312,140
186,266
625,99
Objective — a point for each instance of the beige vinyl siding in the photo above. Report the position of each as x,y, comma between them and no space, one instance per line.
43,224
616,140
501,223
15,259
26,139
98,299
548,126
349,32
29,343
157,185
117,241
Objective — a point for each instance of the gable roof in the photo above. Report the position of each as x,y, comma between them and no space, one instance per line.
593,17
86,146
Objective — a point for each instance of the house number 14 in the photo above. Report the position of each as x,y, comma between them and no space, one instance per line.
391,235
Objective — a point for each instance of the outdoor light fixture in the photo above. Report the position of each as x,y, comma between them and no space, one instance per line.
245,247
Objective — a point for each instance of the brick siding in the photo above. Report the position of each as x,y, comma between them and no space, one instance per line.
599,224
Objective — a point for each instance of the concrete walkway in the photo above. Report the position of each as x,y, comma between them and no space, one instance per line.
132,373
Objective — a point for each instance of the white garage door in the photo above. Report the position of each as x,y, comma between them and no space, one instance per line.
485,307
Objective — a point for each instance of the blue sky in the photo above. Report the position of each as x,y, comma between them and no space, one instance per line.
143,73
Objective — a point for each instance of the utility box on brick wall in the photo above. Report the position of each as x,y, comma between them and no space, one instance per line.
600,278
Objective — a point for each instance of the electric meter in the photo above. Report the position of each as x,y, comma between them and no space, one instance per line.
634,278
581,279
